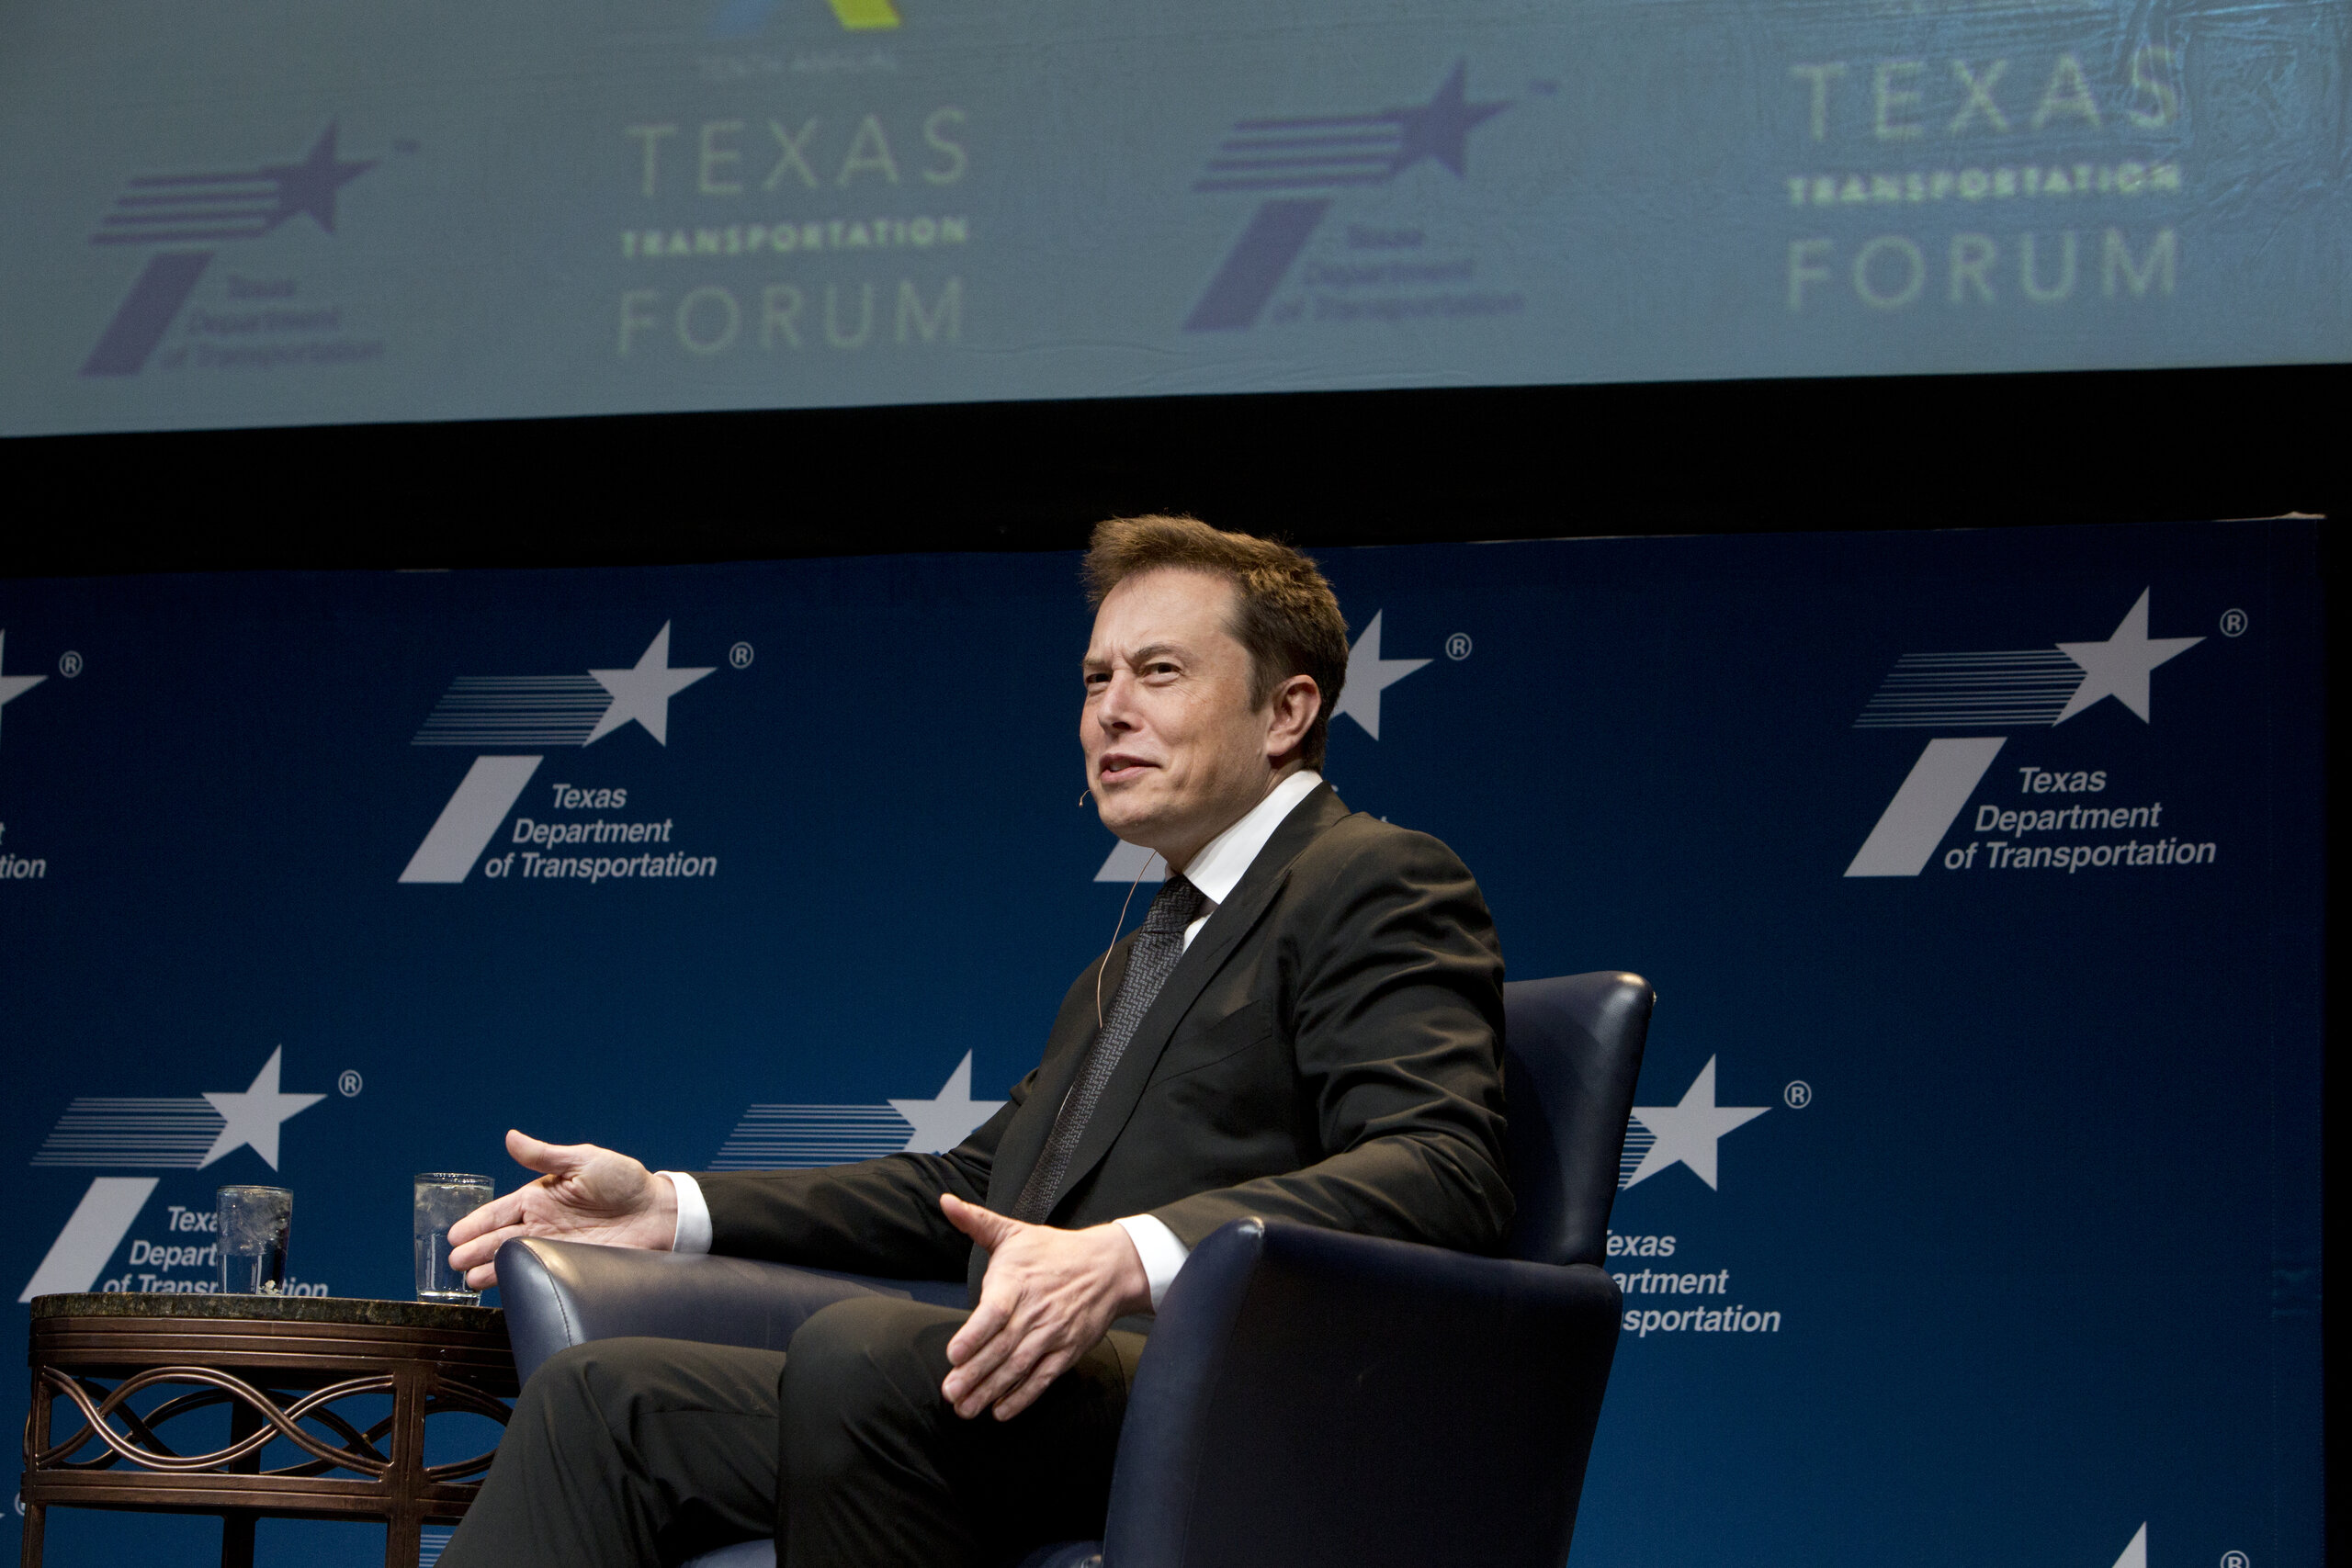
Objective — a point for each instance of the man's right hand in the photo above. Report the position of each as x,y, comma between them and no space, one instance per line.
585,1194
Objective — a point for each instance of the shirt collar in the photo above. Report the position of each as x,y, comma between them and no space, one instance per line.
1222,862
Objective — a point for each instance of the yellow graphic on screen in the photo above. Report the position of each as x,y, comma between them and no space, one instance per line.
859,15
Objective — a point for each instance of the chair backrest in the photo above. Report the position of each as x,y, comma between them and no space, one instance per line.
1573,1047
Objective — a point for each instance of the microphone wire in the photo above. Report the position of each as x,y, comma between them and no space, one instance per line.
1115,926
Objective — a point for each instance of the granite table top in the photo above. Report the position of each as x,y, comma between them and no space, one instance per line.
270,1309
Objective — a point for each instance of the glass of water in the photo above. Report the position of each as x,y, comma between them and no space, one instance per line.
253,1225
443,1198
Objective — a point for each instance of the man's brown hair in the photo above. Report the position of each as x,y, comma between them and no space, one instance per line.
1285,614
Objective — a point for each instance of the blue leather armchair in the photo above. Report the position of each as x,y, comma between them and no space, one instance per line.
1308,1396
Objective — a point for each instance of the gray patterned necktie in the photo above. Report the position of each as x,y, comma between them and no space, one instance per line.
1159,942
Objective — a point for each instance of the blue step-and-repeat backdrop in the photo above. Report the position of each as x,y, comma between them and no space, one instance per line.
1971,1212
251,212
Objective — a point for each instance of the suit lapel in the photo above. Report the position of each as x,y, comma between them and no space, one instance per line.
1233,921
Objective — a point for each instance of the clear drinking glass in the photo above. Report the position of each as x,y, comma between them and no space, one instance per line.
443,1198
254,1223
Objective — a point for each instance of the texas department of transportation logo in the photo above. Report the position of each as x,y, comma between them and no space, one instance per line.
800,1137
2062,819
743,18
498,715
14,864
12,686
158,1133
1662,1137
185,217
1303,164
1668,1289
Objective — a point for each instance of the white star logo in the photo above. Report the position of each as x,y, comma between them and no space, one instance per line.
253,1117
1686,1134
13,686
643,693
1368,676
946,1121
2119,667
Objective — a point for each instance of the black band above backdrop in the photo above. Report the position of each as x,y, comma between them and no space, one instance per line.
1319,469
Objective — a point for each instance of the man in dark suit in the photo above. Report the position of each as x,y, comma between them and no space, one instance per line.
1307,1025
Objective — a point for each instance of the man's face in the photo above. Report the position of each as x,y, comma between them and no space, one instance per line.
1175,754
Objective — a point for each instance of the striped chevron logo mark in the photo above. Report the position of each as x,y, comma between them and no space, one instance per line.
207,210
1304,157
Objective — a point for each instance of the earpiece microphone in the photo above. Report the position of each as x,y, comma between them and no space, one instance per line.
1083,795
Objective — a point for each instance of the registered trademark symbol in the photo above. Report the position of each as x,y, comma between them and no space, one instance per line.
1458,645
2233,625
2236,1559
350,1083
740,656
1799,1094
69,664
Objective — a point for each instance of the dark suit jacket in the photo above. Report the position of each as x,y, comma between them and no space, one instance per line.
1328,1050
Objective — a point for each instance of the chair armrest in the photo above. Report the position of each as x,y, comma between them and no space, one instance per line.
559,1293
1419,1405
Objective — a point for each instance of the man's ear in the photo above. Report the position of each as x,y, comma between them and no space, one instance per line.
1291,714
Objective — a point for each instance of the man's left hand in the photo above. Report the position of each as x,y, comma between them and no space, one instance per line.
1048,1296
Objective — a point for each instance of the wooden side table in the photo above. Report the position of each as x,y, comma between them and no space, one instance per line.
282,1365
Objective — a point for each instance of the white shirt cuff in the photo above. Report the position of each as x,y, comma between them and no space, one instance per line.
693,1214
1161,1253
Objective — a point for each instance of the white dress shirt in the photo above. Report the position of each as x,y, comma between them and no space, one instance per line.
1216,871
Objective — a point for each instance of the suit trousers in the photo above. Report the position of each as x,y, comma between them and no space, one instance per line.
629,1452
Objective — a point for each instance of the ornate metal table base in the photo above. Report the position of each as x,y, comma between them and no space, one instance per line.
282,1366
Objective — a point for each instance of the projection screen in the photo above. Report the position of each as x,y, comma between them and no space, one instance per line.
260,212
